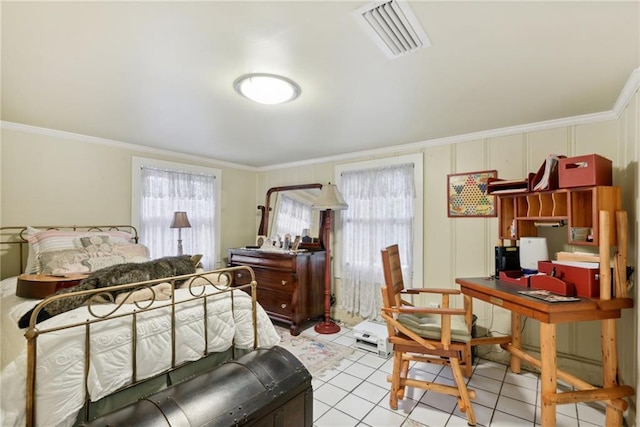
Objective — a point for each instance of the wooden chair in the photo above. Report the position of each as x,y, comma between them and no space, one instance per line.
434,335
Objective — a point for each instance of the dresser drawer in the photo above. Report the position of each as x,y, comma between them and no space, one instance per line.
276,302
284,262
279,281
241,277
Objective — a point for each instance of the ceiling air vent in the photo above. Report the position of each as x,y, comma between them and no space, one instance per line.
393,26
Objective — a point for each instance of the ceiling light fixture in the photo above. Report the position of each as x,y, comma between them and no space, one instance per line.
267,88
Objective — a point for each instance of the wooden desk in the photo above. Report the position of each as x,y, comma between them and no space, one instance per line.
506,295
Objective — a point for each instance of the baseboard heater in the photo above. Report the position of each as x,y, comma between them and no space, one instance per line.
372,336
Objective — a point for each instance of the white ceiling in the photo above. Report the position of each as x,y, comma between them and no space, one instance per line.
160,74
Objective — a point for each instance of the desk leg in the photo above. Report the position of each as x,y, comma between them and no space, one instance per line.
548,372
516,340
468,307
610,367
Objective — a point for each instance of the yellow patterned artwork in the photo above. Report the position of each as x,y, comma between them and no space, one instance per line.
467,194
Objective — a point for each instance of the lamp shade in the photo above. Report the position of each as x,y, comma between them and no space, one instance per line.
180,220
329,198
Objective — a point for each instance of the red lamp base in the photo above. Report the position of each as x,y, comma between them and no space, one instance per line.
327,327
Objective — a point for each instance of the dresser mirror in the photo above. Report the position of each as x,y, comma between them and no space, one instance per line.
275,205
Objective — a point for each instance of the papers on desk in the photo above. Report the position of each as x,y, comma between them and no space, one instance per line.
580,264
548,296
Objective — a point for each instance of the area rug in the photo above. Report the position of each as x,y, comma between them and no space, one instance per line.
317,355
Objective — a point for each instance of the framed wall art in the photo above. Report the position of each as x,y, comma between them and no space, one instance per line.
467,194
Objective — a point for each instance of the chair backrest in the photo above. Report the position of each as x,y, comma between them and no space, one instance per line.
394,283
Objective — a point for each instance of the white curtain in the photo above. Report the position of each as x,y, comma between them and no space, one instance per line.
293,216
380,214
164,192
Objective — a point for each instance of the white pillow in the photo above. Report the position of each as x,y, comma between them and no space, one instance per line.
31,267
102,262
63,262
55,240
133,252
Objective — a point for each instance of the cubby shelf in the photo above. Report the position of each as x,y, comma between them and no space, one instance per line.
576,207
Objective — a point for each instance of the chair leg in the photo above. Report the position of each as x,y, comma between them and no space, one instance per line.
467,361
404,374
465,400
395,380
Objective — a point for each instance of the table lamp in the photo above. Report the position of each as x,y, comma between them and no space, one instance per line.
328,200
180,221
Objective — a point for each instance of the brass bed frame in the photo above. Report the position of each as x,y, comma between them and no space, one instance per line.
136,388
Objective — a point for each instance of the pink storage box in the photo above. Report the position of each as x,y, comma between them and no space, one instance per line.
583,171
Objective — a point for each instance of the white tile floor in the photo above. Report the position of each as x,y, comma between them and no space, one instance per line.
356,394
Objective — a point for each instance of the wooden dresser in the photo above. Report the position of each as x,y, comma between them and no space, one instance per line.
290,286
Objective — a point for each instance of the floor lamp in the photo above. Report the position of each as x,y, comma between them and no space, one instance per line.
180,221
328,200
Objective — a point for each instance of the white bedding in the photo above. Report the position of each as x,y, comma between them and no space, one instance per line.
60,363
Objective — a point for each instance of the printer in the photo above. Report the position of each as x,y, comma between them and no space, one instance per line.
372,336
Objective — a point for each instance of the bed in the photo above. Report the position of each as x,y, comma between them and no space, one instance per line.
93,359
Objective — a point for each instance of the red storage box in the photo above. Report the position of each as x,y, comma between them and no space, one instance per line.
583,171
553,284
514,277
586,280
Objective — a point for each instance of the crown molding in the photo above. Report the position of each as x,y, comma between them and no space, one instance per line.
629,89
119,144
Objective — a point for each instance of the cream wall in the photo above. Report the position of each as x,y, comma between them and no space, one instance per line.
57,180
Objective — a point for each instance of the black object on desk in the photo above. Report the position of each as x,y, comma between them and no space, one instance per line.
507,259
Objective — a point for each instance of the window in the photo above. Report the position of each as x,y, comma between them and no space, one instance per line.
161,188
385,207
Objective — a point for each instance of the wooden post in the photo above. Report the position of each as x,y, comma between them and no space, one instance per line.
548,374
610,368
468,318
468,308
605,256
620,261
516,340
608,326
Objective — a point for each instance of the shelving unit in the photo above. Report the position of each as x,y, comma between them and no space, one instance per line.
578,208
